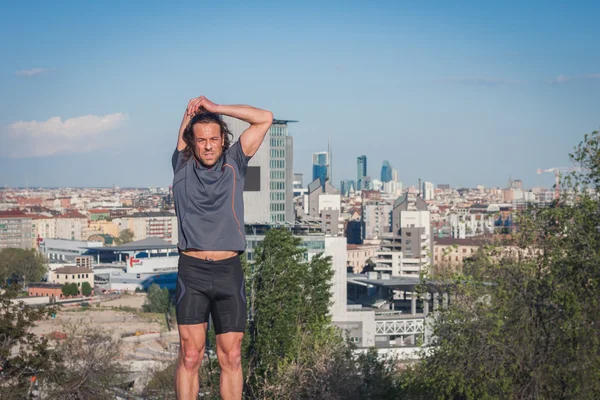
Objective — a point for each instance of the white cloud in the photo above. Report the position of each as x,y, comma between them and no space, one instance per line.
30,72
55,136
482,81
566,78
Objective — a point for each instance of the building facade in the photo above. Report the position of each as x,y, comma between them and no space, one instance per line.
269,188
428,191
347,186
386,172
159,224
64,249
72,274
408,248
377,219
16,230
71,226
361,171
320,166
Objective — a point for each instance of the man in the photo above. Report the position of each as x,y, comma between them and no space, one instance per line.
208,186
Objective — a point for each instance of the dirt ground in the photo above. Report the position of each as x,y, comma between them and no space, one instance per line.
130,322
108,316
127,300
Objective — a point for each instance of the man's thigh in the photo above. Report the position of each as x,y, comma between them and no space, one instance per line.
228,308
229,343
192,293
192,337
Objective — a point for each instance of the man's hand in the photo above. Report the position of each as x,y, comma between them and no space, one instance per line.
195,104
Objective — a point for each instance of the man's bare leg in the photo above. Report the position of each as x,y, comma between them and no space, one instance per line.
229,352
192,339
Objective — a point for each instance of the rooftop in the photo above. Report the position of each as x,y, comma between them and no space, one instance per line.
151,243
70,269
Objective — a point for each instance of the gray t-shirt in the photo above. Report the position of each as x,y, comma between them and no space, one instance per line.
209,202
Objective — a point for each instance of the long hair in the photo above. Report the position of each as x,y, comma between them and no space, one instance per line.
204,117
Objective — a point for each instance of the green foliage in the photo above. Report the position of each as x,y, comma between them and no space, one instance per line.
287,297
86,289
125,236
22,264
70,289
158,300
22,355
524,323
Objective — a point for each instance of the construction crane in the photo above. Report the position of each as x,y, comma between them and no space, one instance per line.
557,173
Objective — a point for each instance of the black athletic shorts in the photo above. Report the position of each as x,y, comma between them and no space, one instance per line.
214,288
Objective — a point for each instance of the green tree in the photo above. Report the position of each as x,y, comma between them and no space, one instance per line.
70,289
86,289
125,236
158,300
524,323
29,265
288,296
22,354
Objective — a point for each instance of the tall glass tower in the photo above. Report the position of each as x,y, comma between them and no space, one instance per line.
361,171
386,172
321,166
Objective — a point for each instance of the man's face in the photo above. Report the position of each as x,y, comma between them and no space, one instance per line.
209,143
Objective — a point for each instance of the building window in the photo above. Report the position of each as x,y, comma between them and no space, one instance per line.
278,164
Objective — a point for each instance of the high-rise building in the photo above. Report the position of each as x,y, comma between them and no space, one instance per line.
346,186
361,171
517,184
367,183
386,172
428,191
15,230
320,165
408,248
376,218
268,189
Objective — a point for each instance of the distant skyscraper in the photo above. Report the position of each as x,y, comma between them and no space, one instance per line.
346,186
367,183
321,166
517,184
386,172
361,170
428,191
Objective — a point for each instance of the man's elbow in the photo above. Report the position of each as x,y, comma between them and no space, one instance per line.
268,117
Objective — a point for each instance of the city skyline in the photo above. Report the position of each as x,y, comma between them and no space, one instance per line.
444,91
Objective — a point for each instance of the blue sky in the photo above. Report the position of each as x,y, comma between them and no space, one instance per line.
459,92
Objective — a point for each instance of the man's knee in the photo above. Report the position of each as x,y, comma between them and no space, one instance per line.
191,358
232,359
